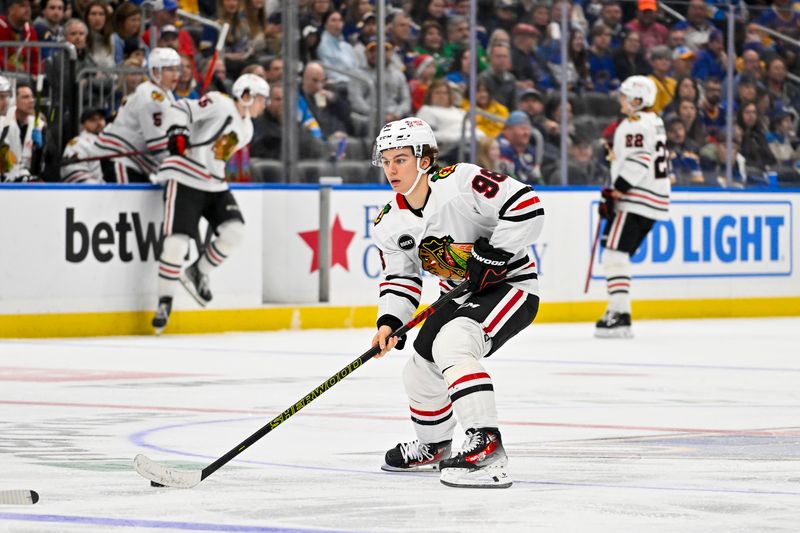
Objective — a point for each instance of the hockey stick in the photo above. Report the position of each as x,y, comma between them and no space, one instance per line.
223,34
18,497
163,476
210,140
591,256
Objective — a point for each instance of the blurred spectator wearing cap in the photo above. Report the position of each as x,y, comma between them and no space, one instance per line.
92,122
783,144
309,41
516,150
362,97
586,164
430,41
238,46
127,24
524,59
629,58
711,60
168,37
273,34
166,13
499,80
682,62
684,155
491,123
661,61
611,18
601,63
16,25
651,32
445,119
354,15
99,42
367,31
424,73
333,51
49,25
698,27
531,102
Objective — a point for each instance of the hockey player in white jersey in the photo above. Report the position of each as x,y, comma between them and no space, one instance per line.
638,197
202,136
141,124
457,222
83,146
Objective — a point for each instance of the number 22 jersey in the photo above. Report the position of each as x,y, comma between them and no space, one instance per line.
465,202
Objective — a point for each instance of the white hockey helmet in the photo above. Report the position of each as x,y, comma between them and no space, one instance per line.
5,85
410,131
640,87
250,83
160,58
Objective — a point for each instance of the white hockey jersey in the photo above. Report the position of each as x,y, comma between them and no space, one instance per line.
203,167
81,147
465,202
641,159
16,153
140,125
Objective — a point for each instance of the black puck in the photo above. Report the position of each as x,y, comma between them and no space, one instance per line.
154,484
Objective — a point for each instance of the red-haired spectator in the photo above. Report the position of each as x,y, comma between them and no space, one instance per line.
16,26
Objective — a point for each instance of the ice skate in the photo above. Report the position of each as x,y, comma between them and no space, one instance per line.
197,284
415,456
614,325
481,465
162,314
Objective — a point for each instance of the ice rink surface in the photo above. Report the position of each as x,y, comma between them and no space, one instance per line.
691,426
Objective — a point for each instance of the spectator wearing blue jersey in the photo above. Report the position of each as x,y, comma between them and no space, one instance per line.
712,113
49,25
601,63
711,60
684,155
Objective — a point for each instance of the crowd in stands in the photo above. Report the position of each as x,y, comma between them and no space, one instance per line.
427,72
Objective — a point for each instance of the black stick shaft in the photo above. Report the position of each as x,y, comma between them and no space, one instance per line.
330,382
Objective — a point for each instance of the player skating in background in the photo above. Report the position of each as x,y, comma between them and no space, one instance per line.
141,123
453,222
195,186
638,197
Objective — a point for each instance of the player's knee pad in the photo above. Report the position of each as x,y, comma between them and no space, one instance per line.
614,260
174,248
231,235
423,380
459,340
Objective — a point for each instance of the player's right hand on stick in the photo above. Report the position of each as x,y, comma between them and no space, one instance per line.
384,341
178,140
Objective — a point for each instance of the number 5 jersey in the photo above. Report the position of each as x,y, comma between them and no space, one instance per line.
465,202
639,167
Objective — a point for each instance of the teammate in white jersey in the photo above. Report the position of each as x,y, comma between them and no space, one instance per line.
92,122
202,136
141,122
639,196
458,222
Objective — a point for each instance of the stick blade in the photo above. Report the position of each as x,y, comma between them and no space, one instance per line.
18,497
168,477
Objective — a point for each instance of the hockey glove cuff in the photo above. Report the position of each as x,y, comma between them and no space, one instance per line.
394,323
178,140
607,205
486,266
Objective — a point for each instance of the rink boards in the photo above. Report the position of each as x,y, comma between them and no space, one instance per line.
81,260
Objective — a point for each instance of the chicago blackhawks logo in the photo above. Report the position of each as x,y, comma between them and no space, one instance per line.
225,146
444,172
444,258
385,210
157,96
7,158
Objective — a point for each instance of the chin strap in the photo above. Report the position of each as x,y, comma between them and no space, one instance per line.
420,172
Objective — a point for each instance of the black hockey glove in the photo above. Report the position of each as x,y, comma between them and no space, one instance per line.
486,266
178,140
607,205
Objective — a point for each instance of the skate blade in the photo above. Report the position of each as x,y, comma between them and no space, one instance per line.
159,330
189,286
623,332
490,477
424,468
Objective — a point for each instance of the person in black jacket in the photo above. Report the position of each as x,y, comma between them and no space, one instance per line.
755,147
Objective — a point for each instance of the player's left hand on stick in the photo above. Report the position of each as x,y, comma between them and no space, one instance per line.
486,266
178,140
383,339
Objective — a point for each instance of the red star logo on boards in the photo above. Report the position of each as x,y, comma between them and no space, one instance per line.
340,242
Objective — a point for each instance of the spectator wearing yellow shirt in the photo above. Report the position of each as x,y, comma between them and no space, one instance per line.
493,125
661,61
